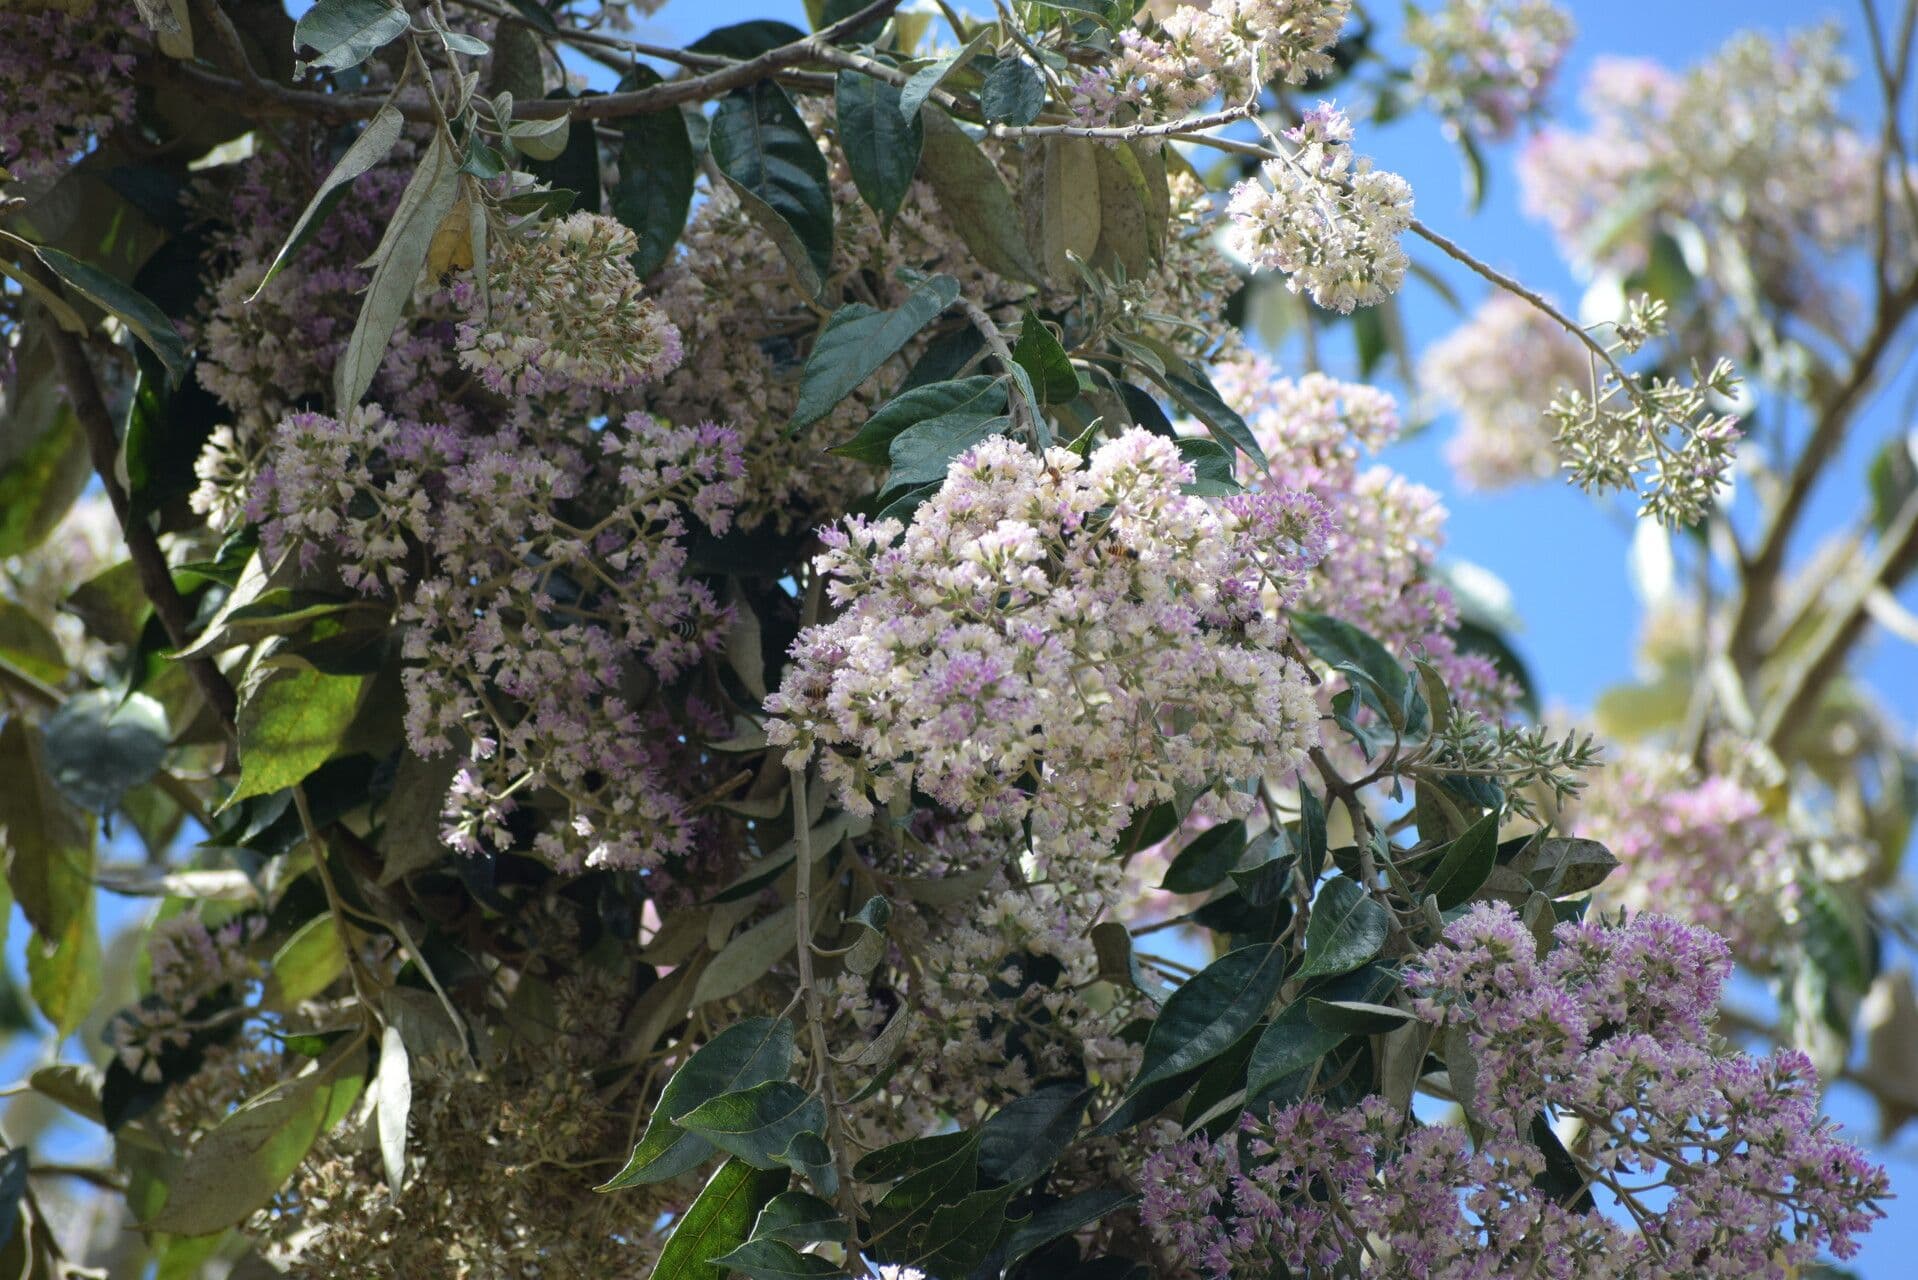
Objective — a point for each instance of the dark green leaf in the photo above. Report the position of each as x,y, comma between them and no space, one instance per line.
1020,1141
746,40
536,14
372,146
13,1187
1467,861
344,33
576,167
99,747
143,320
858,340
770,159
657,170
1211,467
941,407
1210,1012
921,84
718,1221
1045,362
757,1124
881,145
1356,1017
1566,867
1294,1041
799,1217
959,1237
1062,1218
164,434
922,452
1195,394
743,1055
775,1260
1013,93
1347,929
1207,860
1375,674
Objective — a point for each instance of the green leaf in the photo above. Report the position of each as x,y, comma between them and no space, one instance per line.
372,146
242,1161
975,199
344,33
1356,1017
27,646
165,431
293,723
575,165
1565,867
880,144
757,1124
717,1222
1045,362
1013,93
99,747
858,340
1210,1012
1347,929
928,78
1062,1218
49,845
1020,1141
1294,1041
922,452
958,1238
864,955
799,1217
769,158
746,958
131,307
775,1260
1467,861
308,962
1211,466
1194,393
401,255
63,971
536,15
1207,860
747,40
1059,197
952,405
1312,841
743,1055
43,470
1346,648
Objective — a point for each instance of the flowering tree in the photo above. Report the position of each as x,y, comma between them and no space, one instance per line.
748,674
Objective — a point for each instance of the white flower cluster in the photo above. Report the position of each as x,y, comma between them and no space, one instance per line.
1331,223
1199,53
1488,63
1057,643
1498,371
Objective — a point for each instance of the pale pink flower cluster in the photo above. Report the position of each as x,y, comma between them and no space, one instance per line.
566,312
1704,848
65,80
1387,530
1718,1160
189,964
1499,370
264,351
1201,52
521,623
1328,221
1488,63
1056,641
1748,144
